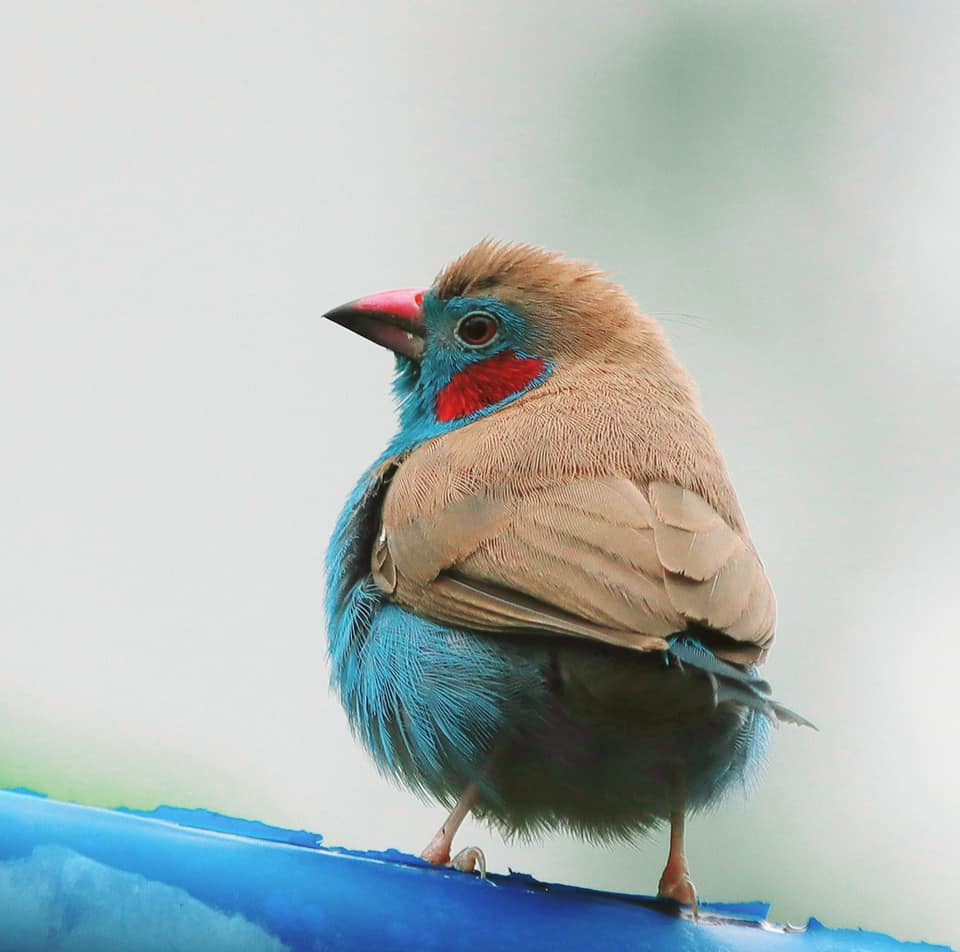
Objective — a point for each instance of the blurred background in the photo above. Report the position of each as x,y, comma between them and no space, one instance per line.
186,188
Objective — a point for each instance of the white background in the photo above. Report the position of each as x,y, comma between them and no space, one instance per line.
185,188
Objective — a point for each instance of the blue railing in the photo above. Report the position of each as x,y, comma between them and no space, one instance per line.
94,880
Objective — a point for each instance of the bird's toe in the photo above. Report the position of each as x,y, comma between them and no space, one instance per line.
469,859
679,888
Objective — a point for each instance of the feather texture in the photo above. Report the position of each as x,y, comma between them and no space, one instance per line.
592,554
545,588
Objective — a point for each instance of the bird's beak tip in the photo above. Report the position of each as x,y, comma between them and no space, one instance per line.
393,319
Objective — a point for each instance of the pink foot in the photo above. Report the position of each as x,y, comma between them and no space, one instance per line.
676,884
437,851
469,859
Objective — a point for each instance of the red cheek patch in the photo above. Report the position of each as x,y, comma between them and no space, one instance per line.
485,383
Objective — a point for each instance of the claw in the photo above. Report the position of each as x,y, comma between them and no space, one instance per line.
469,859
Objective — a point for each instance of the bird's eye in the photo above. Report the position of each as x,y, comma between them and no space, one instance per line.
477,328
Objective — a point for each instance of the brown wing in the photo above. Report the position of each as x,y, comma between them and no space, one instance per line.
595,558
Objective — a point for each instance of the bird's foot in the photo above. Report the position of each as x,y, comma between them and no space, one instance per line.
677,885
437,851
469,859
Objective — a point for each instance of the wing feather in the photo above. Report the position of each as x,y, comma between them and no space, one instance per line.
597,558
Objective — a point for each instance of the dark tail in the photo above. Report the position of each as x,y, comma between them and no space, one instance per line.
731,684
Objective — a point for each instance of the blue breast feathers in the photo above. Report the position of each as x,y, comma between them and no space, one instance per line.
426,700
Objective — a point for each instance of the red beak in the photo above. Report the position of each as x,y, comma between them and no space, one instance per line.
393,319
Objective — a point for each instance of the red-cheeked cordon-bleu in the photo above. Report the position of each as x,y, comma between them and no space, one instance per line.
544,605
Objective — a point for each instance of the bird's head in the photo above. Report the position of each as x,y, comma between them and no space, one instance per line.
496,323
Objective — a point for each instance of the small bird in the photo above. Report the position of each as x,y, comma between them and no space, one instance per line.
543,603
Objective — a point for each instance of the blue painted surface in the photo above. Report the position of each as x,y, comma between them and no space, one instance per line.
81,879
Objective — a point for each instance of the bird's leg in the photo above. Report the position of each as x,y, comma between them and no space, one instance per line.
438,849
675,883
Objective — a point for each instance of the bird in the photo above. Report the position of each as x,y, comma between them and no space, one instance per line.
544,607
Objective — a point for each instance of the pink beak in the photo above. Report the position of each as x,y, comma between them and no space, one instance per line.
393,319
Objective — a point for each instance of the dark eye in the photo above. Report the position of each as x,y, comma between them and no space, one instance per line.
477,328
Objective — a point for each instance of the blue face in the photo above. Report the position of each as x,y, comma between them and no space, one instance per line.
474,347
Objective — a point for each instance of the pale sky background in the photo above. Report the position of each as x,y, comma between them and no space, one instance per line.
187,187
